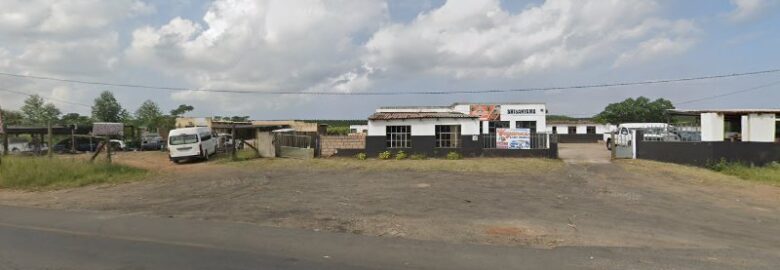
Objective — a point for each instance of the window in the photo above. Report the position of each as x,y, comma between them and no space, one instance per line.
183,139
590,130
526,124
205,136
493,125
572,130
555,130
447,136
399,136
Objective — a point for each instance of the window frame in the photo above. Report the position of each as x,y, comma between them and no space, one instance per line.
590,129
449,138
398,137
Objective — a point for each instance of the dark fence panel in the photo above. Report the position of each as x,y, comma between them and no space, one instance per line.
706,153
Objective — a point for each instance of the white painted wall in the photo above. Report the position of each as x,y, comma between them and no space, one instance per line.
761,128
424,127
581,128
539,116
712,127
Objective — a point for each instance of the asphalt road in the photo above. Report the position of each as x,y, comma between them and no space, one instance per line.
54,239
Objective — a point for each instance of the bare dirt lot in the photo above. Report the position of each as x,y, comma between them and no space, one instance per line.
535,202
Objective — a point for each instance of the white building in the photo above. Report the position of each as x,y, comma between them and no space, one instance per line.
747,125
438,129
358,128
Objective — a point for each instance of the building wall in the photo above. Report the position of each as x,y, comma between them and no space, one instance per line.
760,128
581,128
424,127
712,127
539,115
331,145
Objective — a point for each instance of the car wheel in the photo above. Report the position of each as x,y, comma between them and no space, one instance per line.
609,144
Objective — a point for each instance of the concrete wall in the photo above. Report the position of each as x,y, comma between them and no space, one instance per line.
760,128
265,144
424,127
331,145
712,127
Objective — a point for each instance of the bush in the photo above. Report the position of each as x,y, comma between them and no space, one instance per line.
454,155
401,155
385,155
418,157
361,156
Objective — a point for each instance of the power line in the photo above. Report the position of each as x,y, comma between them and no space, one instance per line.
49,98
397,93
729,93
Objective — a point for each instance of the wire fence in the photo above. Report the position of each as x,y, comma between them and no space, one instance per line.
536,141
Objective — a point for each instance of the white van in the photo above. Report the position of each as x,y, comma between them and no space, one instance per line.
189,143
623,131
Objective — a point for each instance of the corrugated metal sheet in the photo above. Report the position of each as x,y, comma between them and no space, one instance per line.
416,115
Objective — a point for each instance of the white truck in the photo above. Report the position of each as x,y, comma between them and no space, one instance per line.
623,132
191,143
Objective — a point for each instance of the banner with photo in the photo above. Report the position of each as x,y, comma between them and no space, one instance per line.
513,138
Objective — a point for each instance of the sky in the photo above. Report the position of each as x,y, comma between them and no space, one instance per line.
363,46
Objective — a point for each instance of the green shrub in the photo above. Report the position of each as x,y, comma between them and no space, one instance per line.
418,156
401,155
361,156
385,155
454,155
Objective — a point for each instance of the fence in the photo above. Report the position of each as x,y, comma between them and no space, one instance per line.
293,140
537,141
676,133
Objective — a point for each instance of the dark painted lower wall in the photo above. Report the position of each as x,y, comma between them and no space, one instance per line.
347,152
706,153
579,138
470,148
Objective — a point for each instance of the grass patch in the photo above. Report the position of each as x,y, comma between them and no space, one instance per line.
483,165
41,172
768,174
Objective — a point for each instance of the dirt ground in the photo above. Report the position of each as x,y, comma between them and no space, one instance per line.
540,203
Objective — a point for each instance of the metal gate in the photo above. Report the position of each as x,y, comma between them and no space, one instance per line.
624,144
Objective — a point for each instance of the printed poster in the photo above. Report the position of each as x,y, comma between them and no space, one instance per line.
485,112
513,138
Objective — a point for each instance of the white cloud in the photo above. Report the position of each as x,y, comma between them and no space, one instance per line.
748,10
261,45
477,38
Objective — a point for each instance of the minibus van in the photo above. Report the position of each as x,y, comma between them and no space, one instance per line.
191,143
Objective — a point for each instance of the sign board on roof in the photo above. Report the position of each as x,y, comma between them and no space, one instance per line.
485,112
108,129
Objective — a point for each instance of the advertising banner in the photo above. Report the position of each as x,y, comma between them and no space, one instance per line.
513,138
485,112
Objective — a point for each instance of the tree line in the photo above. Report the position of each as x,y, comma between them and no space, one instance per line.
37,112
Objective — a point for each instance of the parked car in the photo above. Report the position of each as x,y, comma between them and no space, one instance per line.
24,147
152,143
82,145
190,143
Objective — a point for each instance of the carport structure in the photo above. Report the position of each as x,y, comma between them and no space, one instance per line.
38,133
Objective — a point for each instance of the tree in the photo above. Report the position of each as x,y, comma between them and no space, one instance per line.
181,110
149,115
37,112
75,119
108,109
12,117
636,110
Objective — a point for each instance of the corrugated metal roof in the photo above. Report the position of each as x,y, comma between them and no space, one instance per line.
416,115
739,111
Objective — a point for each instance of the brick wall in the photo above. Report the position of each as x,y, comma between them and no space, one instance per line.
330,144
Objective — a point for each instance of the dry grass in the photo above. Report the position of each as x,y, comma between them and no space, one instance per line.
486,165
697,174
44,173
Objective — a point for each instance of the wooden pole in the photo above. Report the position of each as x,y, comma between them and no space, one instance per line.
97,151
51,140
73,139
233,153
108,149
612,146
